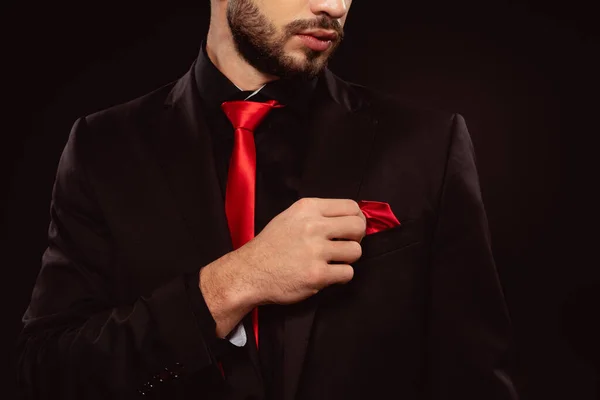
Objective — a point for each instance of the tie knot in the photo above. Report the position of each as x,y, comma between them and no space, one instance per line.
247,114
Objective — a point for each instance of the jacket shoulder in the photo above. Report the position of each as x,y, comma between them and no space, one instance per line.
388,105
134,111
389,108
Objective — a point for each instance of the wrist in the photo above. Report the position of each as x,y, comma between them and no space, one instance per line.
221,285
241,292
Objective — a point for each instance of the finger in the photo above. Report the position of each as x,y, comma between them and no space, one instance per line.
337,207
347,251
348,227
362,216
337,273
364,227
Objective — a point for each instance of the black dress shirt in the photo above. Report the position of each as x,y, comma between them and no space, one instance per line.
281,144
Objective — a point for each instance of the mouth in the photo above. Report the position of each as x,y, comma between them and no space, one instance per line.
321,34
315,44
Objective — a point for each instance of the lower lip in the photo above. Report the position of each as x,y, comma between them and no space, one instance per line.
315,44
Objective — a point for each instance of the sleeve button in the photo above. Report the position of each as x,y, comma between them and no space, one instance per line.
177,370
164,375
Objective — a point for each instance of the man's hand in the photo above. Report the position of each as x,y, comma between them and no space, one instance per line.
288,261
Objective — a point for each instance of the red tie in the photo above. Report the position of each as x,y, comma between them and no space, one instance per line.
240,190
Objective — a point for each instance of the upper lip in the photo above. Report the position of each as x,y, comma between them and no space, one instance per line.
321,34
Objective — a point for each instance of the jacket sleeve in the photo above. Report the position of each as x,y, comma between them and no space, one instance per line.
469,328
77,342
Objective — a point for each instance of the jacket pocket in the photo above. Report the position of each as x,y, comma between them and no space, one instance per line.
382,242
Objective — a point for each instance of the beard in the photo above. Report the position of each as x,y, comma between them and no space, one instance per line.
262,46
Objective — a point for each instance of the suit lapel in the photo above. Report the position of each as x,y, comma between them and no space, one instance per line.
342,135
184,150
180,139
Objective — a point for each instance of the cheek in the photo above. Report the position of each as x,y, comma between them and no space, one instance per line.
278,11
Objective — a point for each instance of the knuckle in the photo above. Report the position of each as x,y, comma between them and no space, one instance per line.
361,225
354,205
314,275
309,226
305,202
318,250
313,227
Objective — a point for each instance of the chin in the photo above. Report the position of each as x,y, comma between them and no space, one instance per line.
305,57
299,63
297,59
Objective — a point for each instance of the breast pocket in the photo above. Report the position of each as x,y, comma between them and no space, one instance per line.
379,243
390,274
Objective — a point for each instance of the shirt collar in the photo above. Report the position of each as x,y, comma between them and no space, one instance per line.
215,88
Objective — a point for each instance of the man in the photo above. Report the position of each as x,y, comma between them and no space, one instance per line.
190,260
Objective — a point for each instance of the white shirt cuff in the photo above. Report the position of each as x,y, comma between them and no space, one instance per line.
238,336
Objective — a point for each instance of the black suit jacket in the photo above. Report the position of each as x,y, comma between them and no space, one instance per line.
136,211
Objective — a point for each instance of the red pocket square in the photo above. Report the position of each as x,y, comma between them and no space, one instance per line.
379,216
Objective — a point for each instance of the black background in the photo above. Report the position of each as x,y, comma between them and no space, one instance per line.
524,75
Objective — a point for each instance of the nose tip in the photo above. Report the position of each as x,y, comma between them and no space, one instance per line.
334,8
